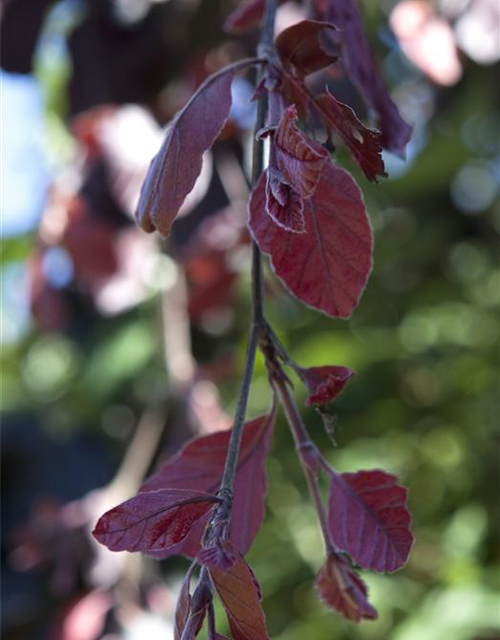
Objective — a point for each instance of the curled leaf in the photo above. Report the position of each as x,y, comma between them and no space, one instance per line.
299,158
153,520
299,47
324,383
327,266
340,587
174,170
363,143
284,204
361,67
368,518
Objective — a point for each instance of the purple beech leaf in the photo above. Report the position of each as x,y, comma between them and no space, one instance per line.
368,518
361,67
299,47
240,595
327,266
363,143
299,158
340,587
199,466
325,384
153,520
284,204
183,607
174,170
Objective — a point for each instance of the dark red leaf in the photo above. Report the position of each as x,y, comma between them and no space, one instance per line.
299,158
284,204
340,587
199,466
324,383
299,47
153,520
362,69
240,596
327,266
174,170
245,16
363,143
368,519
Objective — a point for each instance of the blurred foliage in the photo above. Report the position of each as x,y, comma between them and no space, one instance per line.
424,403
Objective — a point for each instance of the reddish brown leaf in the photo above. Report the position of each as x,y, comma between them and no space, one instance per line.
199,466
152,521
299,47
284,204
296,156
327,266
245,16
324,383
174,170
240,595
340,587
368,519
362,69
363,143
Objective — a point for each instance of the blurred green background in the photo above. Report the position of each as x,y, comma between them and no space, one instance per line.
83,329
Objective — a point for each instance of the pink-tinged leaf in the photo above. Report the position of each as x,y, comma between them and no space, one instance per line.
299,47
199,466
284,204
240,595
368,518
363,143
299,158
340,587
327,266
153,520
325,384
245,16
362,69
174,170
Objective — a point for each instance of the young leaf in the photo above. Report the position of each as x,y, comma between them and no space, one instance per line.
174,170
240,596
368,519
299,47
153,520
245,16
340,587
183,605
324,383
199,466
327,266
362,69
284,204
296,156
363,143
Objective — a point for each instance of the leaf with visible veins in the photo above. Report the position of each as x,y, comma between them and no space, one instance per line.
368,518
153,520
199,466
240,596
327,266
